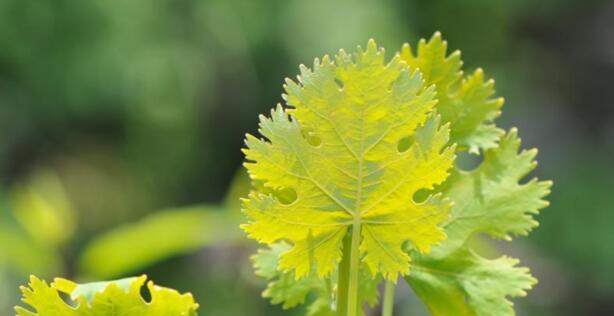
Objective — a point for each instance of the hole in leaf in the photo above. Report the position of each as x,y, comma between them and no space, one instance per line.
311,137
421,195
339,83
405,143
285,195
467,162
66,298
145,293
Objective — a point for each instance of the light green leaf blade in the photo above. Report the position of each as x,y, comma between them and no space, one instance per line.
161,235
121,297
283,288
465,101
453,279
337,152
464,283
491,199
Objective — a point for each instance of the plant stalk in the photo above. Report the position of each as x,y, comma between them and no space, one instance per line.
353,303
388,303
344,277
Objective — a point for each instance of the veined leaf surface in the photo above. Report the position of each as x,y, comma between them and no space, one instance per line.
455,280
358,141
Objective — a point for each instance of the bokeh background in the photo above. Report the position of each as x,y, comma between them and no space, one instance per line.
121,124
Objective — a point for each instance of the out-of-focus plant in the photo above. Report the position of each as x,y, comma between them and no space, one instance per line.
42,203
355,183
156,237
38,220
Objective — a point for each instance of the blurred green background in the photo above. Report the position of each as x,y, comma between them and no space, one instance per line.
121,124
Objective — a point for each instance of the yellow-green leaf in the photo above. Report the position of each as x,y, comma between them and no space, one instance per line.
284,289
120,297
358,141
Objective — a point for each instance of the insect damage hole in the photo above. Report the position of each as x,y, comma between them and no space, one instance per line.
311,137
421,195
468,162
339,83
145,293
404,144
285,195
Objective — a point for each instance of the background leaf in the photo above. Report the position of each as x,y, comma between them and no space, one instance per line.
132,247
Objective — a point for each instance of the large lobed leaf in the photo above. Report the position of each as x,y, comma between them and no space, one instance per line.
120,297
453,279
359,141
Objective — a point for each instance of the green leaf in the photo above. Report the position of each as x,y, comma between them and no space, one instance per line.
464,101
453,279
167,233
283,288
463,283
120,297
358,142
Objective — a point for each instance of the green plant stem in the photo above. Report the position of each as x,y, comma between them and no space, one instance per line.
388,303
344,277
354,269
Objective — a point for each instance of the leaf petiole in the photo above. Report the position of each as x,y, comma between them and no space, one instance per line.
388,302
354,270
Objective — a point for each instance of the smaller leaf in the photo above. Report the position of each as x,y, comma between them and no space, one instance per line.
466,102
464,283
120,297
453,279
283,288
491,199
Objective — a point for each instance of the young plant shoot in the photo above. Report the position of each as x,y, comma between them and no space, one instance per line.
355,183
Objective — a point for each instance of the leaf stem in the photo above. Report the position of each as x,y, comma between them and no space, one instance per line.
354,269
388,303
344,277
